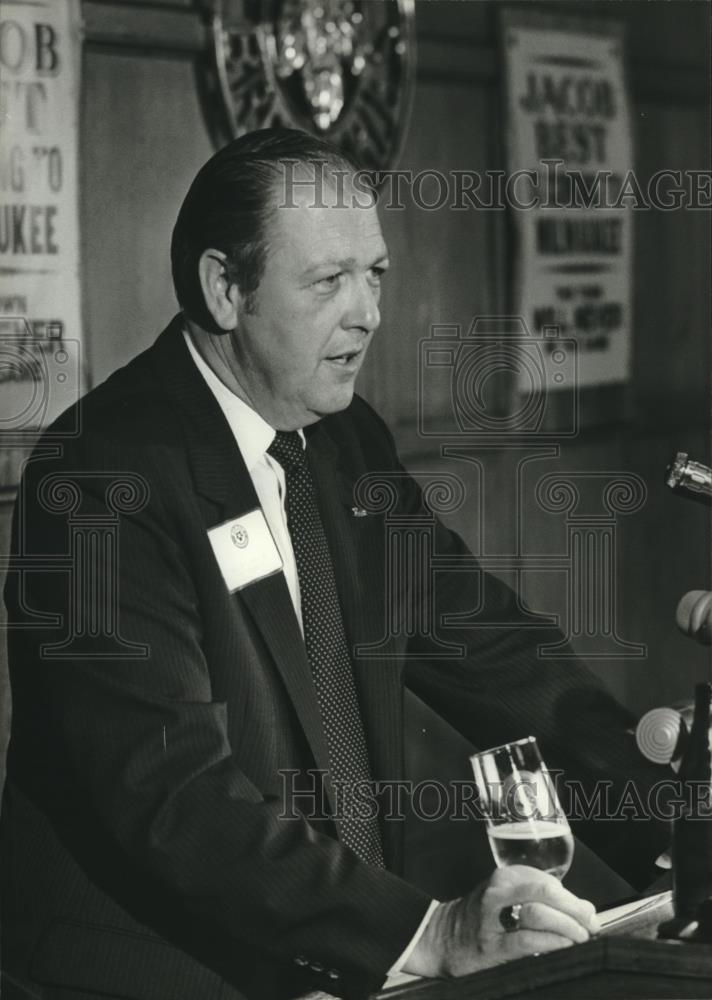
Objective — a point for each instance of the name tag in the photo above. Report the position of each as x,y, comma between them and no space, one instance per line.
245,550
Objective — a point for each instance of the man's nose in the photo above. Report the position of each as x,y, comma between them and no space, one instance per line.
362,310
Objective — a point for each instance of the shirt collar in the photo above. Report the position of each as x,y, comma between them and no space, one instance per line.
251,432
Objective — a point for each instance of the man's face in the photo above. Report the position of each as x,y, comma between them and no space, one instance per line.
297,352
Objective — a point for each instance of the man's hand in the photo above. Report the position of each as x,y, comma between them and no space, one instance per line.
466,934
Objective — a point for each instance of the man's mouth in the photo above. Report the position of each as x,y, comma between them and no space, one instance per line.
345,358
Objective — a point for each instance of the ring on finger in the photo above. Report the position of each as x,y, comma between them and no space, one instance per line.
510,917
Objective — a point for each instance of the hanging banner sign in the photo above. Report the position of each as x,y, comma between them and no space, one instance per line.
40,297
570,161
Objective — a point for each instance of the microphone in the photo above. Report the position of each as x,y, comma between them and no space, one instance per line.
690,479
694,615
662,733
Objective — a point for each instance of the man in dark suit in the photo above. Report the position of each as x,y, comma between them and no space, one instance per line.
188,699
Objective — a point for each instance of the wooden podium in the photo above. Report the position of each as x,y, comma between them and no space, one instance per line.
611,967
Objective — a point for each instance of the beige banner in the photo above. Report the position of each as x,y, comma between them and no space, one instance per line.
40,295
569,158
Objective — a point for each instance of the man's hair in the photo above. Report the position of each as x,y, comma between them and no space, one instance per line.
229,204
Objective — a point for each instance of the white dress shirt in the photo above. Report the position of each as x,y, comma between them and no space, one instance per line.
253,436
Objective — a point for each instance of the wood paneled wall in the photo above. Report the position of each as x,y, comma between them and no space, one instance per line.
143,136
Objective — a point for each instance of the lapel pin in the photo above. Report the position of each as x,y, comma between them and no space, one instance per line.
359,512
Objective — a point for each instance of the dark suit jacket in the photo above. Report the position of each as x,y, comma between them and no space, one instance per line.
144,854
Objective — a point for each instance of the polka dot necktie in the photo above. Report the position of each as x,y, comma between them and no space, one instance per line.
326,644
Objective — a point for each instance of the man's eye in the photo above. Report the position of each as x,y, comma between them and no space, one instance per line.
329,283
377,273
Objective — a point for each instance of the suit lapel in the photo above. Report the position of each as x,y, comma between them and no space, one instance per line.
221,477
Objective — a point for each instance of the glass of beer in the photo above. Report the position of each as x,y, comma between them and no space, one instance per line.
525,822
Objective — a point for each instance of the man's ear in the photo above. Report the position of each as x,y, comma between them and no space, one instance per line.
222,297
